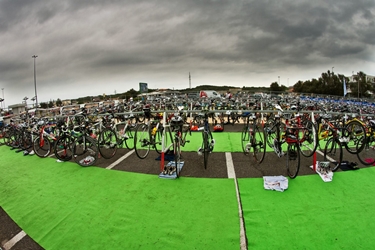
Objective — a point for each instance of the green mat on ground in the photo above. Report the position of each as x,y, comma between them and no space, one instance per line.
65,206
224,142
311,214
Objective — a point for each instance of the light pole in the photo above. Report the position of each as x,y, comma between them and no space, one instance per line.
3,98
33,99
332,71
36,95
279,80
358,84
25,101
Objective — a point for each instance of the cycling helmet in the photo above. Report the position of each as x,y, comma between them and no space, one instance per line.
176,121
372,124
194,128
218,128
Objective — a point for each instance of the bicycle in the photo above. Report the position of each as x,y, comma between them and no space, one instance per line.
253,138
208,141
85,148
351,131
348,135
367,145
307,135
177,125
42,143
63,145
149,135
277,133
115,135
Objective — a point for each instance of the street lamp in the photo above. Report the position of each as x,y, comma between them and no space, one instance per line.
332,71
358,87
36,95
33,99
3,97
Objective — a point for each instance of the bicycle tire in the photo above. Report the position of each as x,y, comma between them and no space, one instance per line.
293,160
130,133
42,148
177,157
367,153
309,138
142,142
158,140
26,141
245,140
258,143
271,131
63,148
7,138
107,143
356,131
206,148
333,153
85,151
2,136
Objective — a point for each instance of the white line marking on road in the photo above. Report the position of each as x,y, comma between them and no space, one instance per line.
120,160
14,240
328,158
230,166
232,175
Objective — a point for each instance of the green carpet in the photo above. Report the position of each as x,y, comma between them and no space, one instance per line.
311,214
224,142
65,206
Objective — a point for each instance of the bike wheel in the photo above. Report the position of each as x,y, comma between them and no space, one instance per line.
367,153
271,131
177,158
333,153
63,148
41,147
293,160
308,138
206,148
158,140
142,142
2,136
107,143
354,132
129,133
258,143
85,151
245,140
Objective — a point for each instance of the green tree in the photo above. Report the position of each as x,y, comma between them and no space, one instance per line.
50,104
58,102
43,105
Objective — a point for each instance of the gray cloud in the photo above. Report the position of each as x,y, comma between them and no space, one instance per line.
92,47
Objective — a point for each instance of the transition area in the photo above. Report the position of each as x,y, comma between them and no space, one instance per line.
65,206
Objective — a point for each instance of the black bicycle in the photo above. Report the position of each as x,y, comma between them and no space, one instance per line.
208,141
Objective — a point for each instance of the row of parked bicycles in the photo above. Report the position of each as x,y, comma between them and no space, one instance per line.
84,137
294,134
291,131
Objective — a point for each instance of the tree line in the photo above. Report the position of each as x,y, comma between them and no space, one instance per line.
328,83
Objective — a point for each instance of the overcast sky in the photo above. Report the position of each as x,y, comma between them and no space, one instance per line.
91,47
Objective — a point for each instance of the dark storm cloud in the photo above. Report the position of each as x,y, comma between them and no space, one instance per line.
101,40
